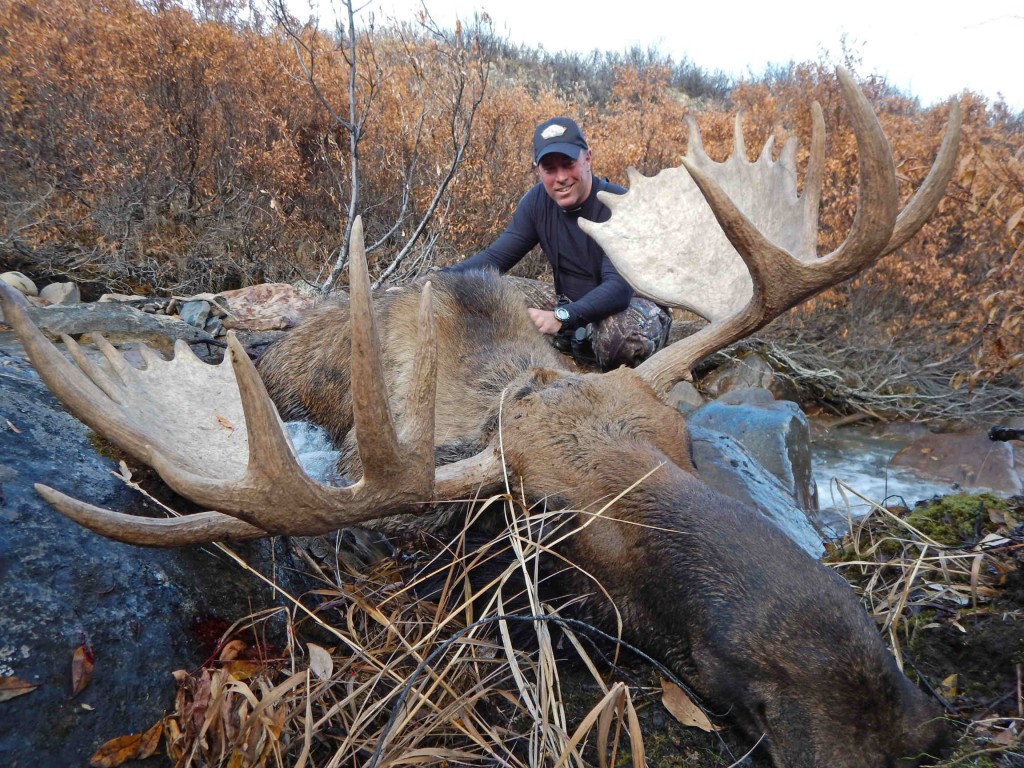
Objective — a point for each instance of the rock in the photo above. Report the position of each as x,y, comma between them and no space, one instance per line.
272,306
19,298
194,312
725,465
684,397
20,283
751,370
63,586
61,293
969,459
215,327
774,432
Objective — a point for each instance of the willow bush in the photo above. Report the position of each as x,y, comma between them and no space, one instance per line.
150,149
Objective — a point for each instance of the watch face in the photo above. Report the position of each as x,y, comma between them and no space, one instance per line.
561,314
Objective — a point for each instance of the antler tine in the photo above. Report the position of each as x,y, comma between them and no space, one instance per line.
95,404
926,199
378,443
150,531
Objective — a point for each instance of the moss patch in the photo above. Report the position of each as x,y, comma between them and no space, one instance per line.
960,518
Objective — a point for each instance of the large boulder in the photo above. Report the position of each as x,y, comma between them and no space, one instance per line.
725,465
62,586
61,293
20,283
774,432
969,459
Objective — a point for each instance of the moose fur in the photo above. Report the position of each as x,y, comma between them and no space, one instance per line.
759,629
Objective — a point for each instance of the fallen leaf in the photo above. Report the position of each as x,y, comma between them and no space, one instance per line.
13,428
117,751
682,708
150,740
14,686
948,686
232,650
1005,737
320,662
226,424
81,668
242,669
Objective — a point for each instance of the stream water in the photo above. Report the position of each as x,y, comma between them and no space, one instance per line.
852,462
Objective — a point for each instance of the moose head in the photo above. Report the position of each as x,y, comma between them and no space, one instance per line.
708,586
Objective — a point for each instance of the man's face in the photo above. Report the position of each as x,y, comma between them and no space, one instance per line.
566,179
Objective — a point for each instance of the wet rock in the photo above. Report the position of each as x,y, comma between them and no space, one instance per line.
969,459
61,293
728,467
775,432
215,327
62,586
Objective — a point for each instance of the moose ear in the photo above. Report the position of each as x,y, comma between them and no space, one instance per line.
543,376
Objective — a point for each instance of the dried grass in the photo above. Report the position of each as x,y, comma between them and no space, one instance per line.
912,584
410,681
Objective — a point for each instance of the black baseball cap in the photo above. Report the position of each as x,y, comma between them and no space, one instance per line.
559,134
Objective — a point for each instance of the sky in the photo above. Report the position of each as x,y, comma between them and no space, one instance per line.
930,53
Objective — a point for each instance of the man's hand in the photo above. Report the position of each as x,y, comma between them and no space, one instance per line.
544,320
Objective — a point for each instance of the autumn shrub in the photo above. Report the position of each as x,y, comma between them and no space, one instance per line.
149,149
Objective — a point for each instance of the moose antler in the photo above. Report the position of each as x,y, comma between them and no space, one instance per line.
214,436
760,259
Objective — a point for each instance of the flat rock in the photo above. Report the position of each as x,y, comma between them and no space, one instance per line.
969,459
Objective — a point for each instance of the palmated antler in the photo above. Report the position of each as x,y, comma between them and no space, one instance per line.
214,436
734,242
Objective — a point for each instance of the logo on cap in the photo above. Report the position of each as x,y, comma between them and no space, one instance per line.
552,131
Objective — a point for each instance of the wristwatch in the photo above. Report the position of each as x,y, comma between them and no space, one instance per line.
561,314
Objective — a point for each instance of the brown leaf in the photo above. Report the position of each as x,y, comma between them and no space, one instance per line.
232,650
320,662
1006,737
683,709
81,668
1014,220
226,424
14,686
117,751
150,740
243,669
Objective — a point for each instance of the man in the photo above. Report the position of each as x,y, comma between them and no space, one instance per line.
597,318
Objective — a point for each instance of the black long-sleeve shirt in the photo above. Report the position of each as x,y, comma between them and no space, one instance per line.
582,271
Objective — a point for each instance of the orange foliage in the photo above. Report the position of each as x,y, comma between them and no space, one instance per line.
146,149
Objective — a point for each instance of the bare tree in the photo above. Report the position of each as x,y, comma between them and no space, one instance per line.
449,76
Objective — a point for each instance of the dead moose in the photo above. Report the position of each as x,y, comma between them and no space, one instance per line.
454,374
